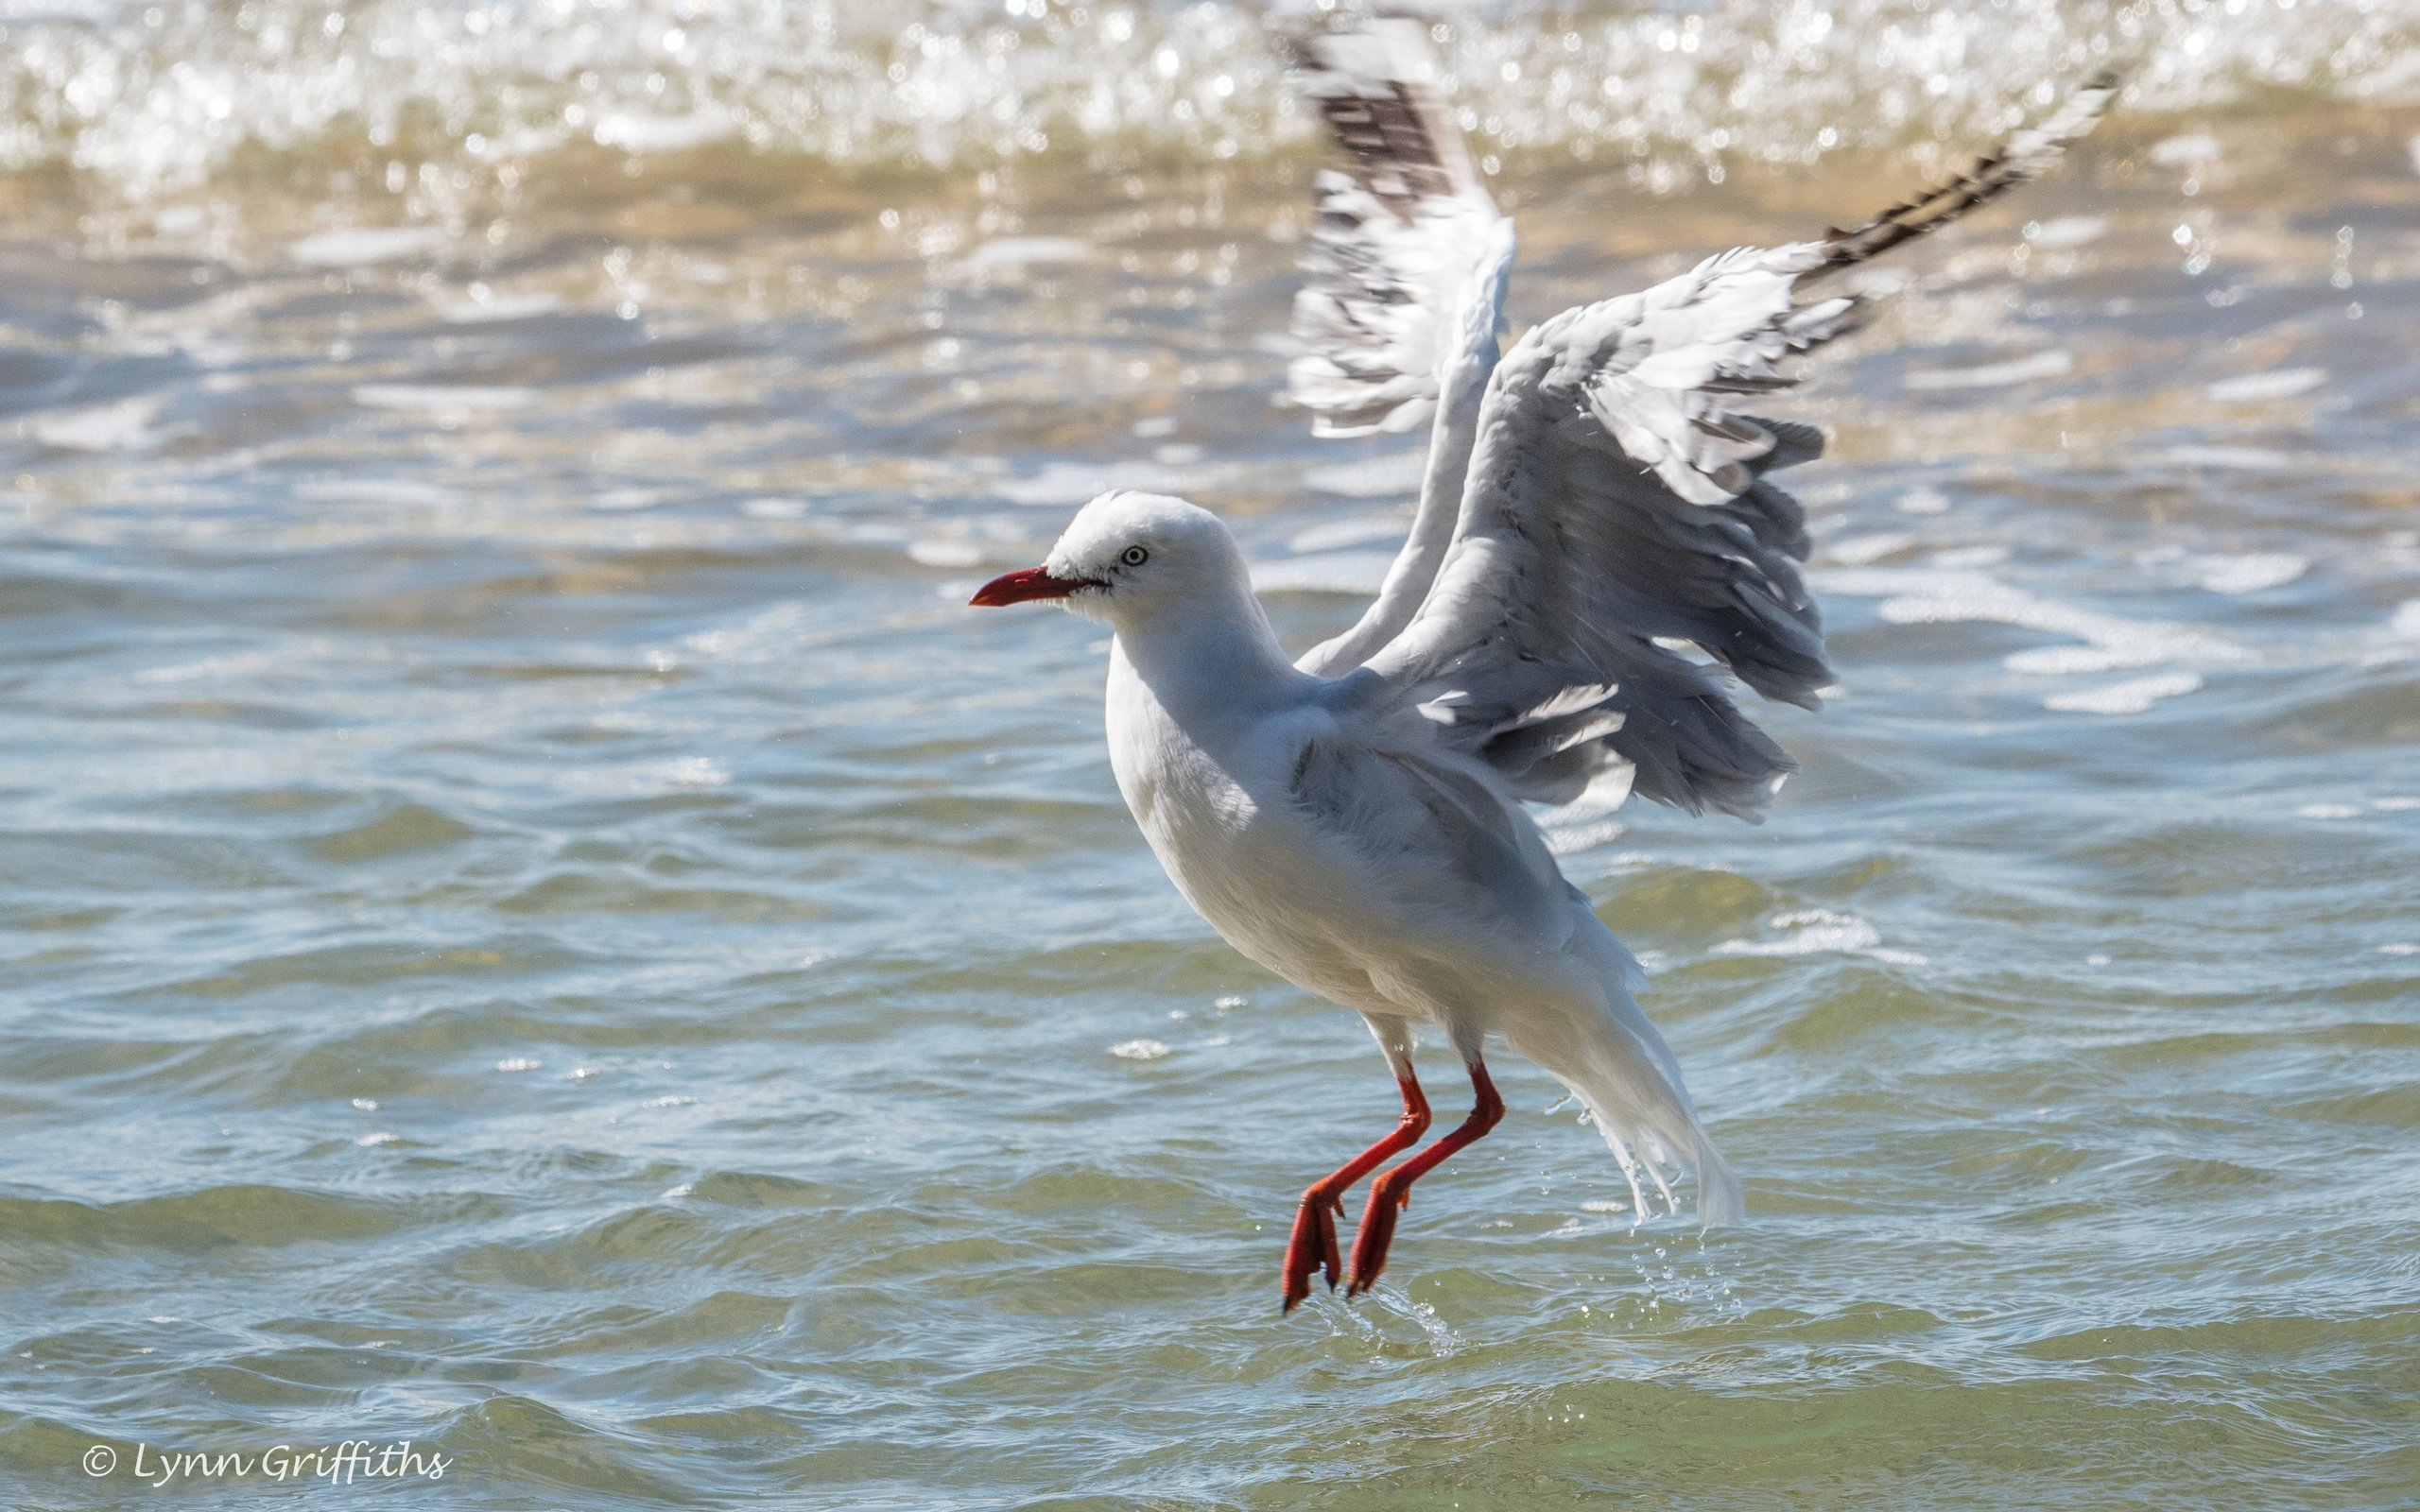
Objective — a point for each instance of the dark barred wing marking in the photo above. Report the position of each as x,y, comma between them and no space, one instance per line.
2027,155
1403,147
1395,239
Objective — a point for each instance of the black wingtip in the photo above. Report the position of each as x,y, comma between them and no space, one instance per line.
2018,159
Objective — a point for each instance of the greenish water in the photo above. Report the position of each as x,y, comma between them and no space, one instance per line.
535,924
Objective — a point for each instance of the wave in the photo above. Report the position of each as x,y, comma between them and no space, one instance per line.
147,100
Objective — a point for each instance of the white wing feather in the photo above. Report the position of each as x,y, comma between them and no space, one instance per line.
1395,241
1404,303
1616,506
1612,502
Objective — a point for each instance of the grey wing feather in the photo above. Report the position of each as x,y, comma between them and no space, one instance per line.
1395,239
1435,834
1615,506
1618,511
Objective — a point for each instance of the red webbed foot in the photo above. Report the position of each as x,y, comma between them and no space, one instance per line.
1312,1249
1388,1198
1392,1190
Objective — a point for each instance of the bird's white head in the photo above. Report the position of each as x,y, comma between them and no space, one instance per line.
1129,556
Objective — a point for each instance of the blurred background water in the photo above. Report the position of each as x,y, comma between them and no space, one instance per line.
535,922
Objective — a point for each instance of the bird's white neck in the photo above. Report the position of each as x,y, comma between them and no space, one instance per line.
1209,655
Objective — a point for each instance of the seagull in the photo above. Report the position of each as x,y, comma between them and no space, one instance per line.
1593,507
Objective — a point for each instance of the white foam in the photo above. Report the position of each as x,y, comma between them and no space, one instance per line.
2186,149
443,396
2076,661
364,246
2247,573
696,771
634,131
945,553
2066,231
2236,458
2056,363
1814,931
376,491
150,101
1857,551
1934,597
1012,254
1139,1050
2129,697
2278,383
1964,556
2329,810
492,308
124,426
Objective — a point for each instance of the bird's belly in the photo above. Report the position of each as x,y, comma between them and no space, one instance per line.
1268,881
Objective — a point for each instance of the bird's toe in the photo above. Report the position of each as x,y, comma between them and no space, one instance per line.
1312,1249
1378,1231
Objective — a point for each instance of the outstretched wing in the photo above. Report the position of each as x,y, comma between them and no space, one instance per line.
1617,508
2027,155
1396,239
1620,546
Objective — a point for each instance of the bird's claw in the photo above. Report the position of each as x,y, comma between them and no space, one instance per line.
1312,1249
1378,1231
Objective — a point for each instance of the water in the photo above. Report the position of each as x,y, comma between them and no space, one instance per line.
537,924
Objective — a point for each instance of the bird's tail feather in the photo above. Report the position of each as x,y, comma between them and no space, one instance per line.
1620,1068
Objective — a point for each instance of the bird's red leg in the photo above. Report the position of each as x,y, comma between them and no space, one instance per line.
1313,1248
1391,1192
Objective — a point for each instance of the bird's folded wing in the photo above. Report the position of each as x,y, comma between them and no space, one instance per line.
1396,239
1434,832
1617,509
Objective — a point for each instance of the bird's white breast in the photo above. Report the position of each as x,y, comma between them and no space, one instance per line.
1208,786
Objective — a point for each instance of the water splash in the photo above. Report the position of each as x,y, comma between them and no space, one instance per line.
423,102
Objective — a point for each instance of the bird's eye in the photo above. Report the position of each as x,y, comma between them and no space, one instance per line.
1135,555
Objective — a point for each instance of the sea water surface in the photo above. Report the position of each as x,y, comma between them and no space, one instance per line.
533,920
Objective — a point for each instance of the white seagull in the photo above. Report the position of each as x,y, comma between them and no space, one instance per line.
1353,820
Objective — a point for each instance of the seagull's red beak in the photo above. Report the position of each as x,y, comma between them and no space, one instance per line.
1024,586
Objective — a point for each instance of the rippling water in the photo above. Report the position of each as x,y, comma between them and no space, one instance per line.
535,922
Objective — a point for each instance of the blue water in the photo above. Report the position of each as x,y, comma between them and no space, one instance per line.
536,924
